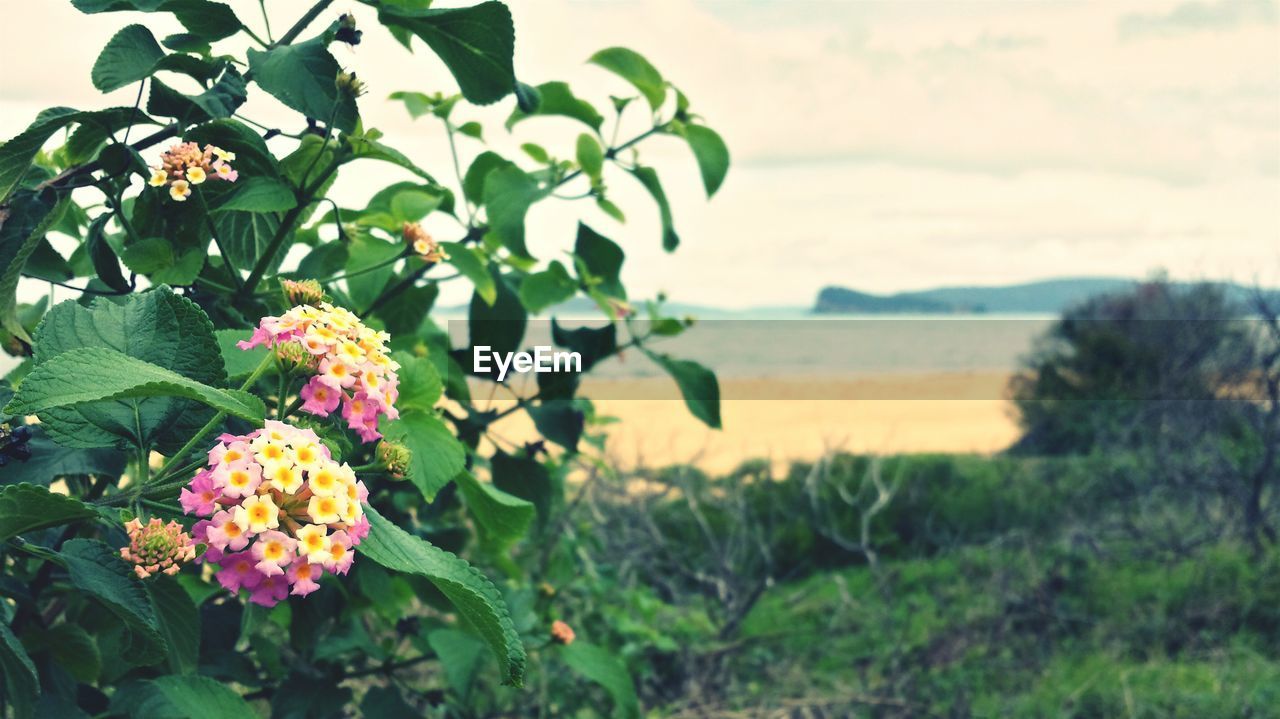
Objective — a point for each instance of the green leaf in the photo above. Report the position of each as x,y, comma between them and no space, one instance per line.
94,374
97,570
256,194
105,263
711,153
240,363
460,654
302,77
438,456
21,683
471,263
602,258
179,622
131,55
649,178
26,507
632,67
590,156
207,20
508,194
476,43
71,647
365,285
471,593
246,236
559,420
604,668
198,697
23,224
50,461
697,384
503,518
156,326
420,385
549,287
161,262
472,129
499,326
219,101
478,172
366,148
16,154
558,99
525,478
591,343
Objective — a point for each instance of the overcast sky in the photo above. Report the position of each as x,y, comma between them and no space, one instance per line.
878,145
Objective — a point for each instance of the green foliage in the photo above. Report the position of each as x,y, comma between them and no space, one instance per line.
475,597
122,390
26,507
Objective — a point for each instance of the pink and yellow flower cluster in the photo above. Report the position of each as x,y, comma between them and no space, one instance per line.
278,512
352,366
185,165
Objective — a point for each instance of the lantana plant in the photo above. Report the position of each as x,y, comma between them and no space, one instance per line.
241,466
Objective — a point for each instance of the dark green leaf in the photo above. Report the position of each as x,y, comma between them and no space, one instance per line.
16,154
525,478
460,655
559,420
602,258
21,683
478,172
473,595
26,507
302,77
179,623
649,178
71,647
476,43
499,326
197,697
632,67
246,236
105,262
256,194
208,20
219,101
131,55
23,224
50,461
697,384
592,344
97,570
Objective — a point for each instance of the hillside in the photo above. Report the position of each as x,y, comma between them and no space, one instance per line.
1043,297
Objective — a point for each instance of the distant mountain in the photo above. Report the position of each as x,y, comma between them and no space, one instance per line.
1047,296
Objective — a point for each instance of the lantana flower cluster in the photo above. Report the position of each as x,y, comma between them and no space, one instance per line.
185,165
278,512
422,243
353,368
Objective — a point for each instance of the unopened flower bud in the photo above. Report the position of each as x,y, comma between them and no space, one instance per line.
157,547
394,457
546,589
303,292
294,356
350,85
561,633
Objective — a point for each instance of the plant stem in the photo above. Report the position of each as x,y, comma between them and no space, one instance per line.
292,33
217,418
286,226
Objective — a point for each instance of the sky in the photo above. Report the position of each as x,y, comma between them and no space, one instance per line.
883,146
